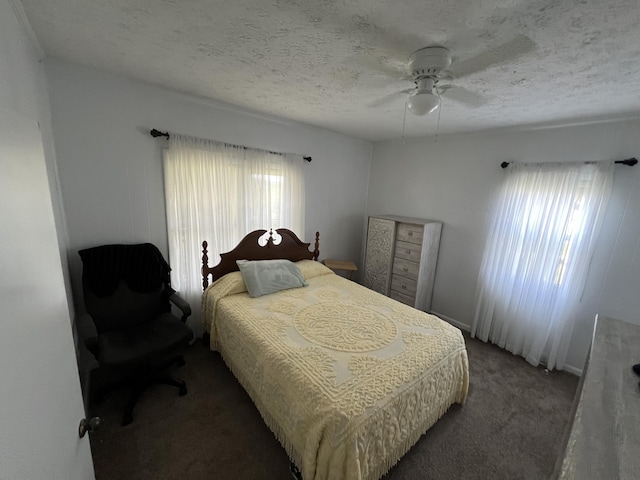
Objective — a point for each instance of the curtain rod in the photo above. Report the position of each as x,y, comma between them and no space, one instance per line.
157,133
629,162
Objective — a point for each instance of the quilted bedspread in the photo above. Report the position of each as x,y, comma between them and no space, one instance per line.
347,379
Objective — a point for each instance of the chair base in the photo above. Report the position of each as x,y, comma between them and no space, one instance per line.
127,417
139,382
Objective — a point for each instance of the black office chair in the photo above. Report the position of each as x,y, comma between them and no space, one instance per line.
129,327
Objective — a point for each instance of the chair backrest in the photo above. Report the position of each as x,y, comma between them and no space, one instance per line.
124,285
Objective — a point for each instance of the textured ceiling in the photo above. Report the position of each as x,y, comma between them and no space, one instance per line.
338,64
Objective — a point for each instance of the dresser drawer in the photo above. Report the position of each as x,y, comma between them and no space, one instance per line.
408,232
401,297
404,285
406,268
408,251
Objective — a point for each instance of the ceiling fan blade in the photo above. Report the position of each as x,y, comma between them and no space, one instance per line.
514,48
385,51
391,98
398,43
381,66
461,95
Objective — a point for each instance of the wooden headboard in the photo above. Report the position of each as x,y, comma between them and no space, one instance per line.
289,248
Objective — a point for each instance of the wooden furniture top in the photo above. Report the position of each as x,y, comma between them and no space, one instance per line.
347,265
290,247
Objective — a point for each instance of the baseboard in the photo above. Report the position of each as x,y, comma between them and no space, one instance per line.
574,370
467,328
462,326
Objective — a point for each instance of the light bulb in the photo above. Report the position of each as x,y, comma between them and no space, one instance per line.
422,103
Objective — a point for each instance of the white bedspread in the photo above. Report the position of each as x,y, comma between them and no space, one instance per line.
347,379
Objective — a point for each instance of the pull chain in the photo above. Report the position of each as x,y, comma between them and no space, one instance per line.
439,111
404,119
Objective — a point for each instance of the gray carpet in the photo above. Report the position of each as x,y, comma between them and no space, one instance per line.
511,427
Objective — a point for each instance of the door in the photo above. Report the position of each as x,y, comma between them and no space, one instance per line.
40,398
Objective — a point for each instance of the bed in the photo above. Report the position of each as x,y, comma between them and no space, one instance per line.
347,379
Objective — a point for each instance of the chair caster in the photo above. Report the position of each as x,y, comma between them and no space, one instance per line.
127,418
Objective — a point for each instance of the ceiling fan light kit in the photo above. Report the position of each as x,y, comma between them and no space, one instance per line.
425,66
422,103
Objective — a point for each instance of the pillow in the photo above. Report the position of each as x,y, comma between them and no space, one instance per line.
228,284
268,276
311,268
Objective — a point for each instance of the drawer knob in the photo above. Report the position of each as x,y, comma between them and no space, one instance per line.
404,286
411,234
405,269
408,251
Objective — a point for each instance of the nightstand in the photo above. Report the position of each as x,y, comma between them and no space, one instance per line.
346,265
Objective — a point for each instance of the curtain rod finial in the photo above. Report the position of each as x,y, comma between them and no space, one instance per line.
157,133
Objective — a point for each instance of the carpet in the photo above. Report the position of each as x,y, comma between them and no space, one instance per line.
510,427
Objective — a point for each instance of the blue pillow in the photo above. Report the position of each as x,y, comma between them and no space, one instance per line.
268,276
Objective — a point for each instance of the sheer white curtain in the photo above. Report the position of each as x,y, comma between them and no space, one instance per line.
536,260
219,193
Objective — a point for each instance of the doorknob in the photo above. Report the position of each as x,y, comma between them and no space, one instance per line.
90,425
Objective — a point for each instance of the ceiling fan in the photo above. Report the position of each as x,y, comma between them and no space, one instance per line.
430,65
425,65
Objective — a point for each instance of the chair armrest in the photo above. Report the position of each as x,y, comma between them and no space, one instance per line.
182,304
87,332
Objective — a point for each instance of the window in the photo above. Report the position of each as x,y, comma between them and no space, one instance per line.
575,227
219,193
537,256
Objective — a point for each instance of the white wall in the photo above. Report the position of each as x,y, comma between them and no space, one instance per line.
40,398
454,179
111,168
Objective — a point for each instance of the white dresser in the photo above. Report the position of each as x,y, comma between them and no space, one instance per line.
400,258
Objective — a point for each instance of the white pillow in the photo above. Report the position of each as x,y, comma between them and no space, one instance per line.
268,276
312,268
